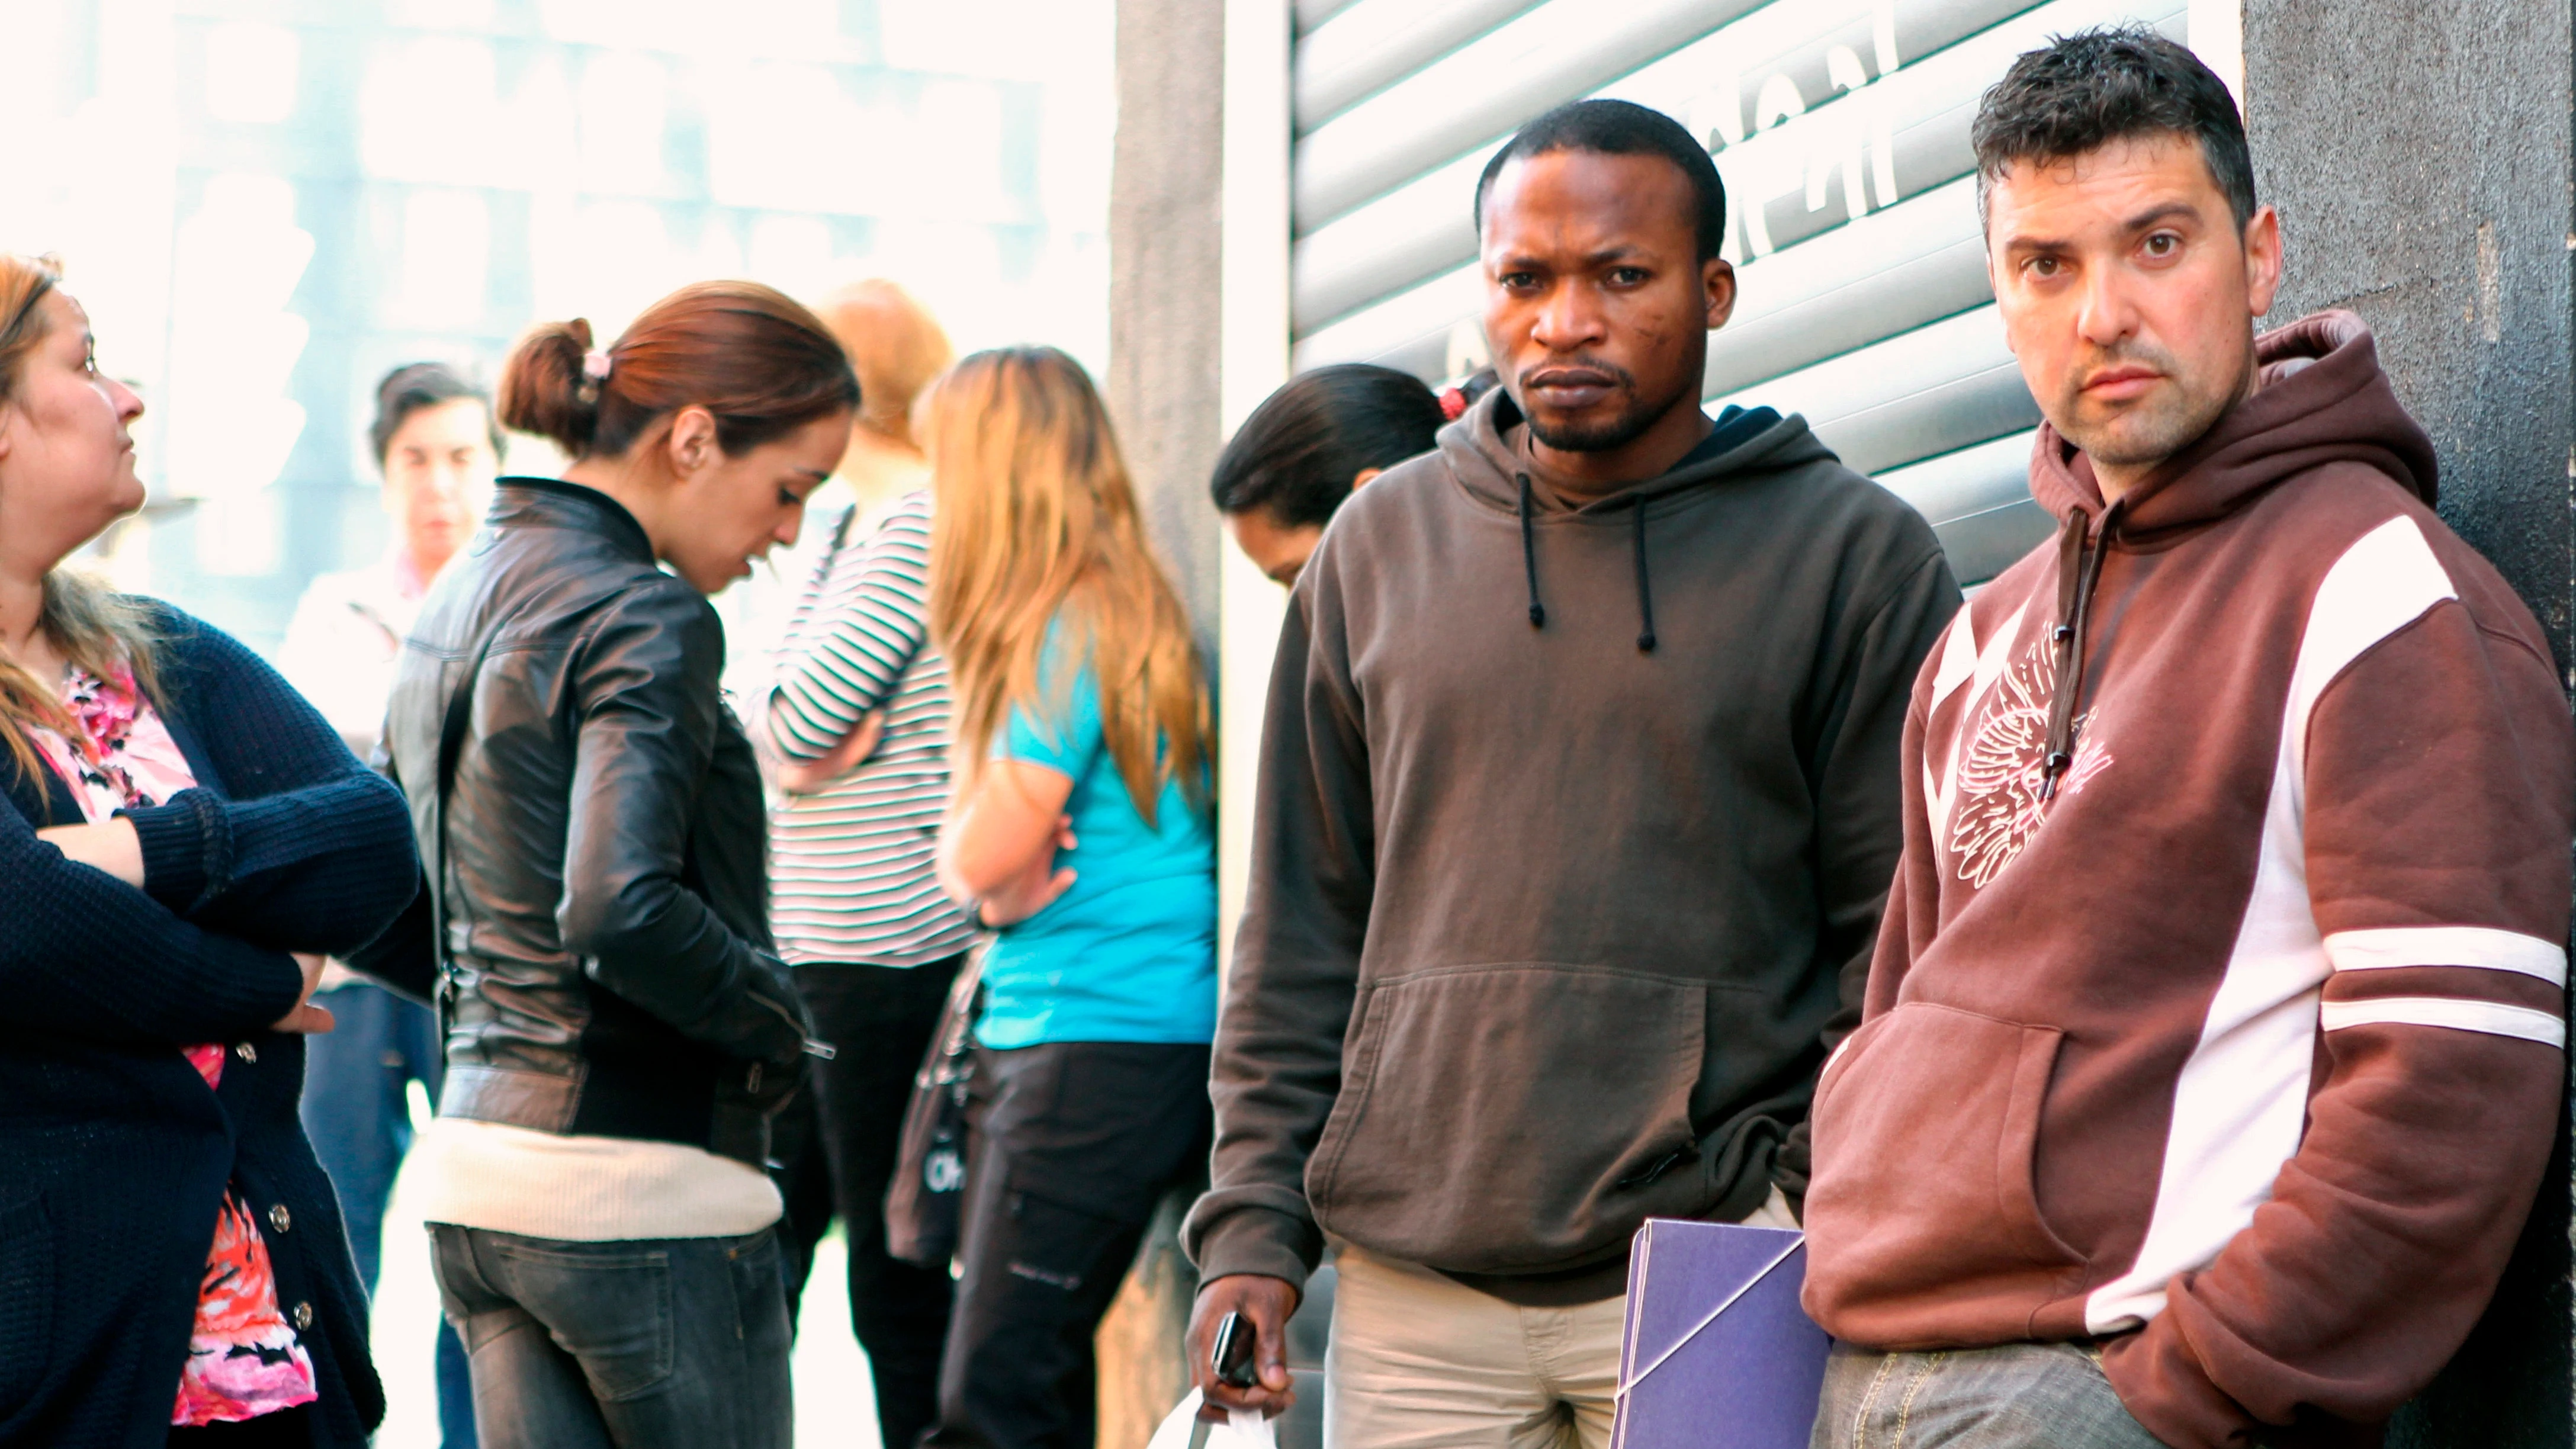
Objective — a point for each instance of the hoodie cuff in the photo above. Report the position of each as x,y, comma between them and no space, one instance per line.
187,849
1259,1241
2161,1383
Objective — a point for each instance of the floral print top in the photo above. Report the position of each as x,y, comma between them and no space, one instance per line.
244,1360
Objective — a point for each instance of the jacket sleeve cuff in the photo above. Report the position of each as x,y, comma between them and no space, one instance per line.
1259,1241
187,849
2161,1383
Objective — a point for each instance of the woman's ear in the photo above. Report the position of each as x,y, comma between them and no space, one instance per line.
692,442
1361,478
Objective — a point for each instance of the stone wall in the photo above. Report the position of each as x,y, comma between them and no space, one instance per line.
2418,151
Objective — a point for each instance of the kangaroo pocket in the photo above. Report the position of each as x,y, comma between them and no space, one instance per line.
1922,1223
1509,1118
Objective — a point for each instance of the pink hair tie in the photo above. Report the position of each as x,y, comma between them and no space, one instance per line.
594,364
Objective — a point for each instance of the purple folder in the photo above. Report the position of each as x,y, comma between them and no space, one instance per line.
1717,1350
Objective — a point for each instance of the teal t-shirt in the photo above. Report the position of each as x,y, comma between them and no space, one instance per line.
1128,953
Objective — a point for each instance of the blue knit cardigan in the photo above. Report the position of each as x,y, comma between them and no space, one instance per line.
114,1156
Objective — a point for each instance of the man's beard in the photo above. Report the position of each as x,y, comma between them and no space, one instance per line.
2143,439
1630,425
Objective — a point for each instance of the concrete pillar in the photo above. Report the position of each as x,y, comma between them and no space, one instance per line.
1165,245
2419,152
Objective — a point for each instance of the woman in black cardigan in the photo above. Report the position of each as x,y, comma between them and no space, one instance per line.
151,1047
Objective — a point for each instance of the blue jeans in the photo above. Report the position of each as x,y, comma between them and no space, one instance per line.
2016,1396
357,1111
672,1343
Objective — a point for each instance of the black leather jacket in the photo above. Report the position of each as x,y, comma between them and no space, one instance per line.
608,968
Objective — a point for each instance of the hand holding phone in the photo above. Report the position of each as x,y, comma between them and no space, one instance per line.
1232,1356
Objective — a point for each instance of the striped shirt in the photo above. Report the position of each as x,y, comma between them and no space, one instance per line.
852,878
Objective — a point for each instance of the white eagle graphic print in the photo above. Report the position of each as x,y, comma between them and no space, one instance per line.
1998,779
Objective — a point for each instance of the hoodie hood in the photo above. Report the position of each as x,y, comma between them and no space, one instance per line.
1491,472
1486,465
2322,399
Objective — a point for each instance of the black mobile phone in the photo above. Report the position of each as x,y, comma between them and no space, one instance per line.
1232,1356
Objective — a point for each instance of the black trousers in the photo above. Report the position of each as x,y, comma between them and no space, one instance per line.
878,1020
1073,1144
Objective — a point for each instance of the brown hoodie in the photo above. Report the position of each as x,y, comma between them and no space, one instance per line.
1574,826
2219,1004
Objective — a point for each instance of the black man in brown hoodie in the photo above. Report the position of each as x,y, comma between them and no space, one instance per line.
1578,806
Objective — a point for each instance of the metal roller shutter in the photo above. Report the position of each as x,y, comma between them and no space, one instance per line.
1841,129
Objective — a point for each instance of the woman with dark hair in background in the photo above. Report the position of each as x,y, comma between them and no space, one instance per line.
1081,827
172,1265
1307,446
619,1031
437,445
857,728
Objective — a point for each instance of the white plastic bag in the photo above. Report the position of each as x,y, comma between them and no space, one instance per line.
1245,1429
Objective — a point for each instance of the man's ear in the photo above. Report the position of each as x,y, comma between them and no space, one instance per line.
1717,283
1360,479
692,443
2262,260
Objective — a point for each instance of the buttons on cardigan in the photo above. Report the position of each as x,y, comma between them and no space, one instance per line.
279,1218
302,1317
246,1051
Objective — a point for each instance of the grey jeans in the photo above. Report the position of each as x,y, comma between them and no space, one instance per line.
676,1343
2017,1396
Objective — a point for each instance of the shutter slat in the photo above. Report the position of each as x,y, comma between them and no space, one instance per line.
1369,43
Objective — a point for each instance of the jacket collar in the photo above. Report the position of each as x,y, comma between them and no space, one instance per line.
554,503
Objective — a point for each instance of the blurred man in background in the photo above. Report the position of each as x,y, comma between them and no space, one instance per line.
438,448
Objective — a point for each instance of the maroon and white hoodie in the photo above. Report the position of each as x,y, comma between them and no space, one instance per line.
2219,1006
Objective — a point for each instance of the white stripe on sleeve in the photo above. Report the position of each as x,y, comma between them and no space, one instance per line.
2483,947
2495,1018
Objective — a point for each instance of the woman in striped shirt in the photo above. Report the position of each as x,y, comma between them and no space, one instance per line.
858,727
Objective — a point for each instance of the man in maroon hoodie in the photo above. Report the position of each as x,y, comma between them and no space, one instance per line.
2213,1042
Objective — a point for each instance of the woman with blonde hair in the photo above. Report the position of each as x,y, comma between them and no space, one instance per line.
179,822
858,719
1080,831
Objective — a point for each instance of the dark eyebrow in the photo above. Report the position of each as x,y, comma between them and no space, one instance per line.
2155,214
2140,222
1607,256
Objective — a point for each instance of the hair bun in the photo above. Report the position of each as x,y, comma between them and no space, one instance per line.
543,390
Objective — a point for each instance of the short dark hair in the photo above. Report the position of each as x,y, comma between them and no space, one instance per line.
1295,457
1620,128
416,385
2081,92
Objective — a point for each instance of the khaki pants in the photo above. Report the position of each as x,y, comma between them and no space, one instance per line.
1422,1361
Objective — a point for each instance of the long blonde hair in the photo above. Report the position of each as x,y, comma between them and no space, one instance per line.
1036,522
97,629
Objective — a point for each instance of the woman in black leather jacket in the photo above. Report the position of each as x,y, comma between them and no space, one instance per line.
619,1031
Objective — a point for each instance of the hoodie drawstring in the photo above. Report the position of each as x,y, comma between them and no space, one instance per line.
2080,552
1529,556
1529,566
1645,590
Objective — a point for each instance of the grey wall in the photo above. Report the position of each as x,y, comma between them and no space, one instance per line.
1165,236
1164,247
2418,151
